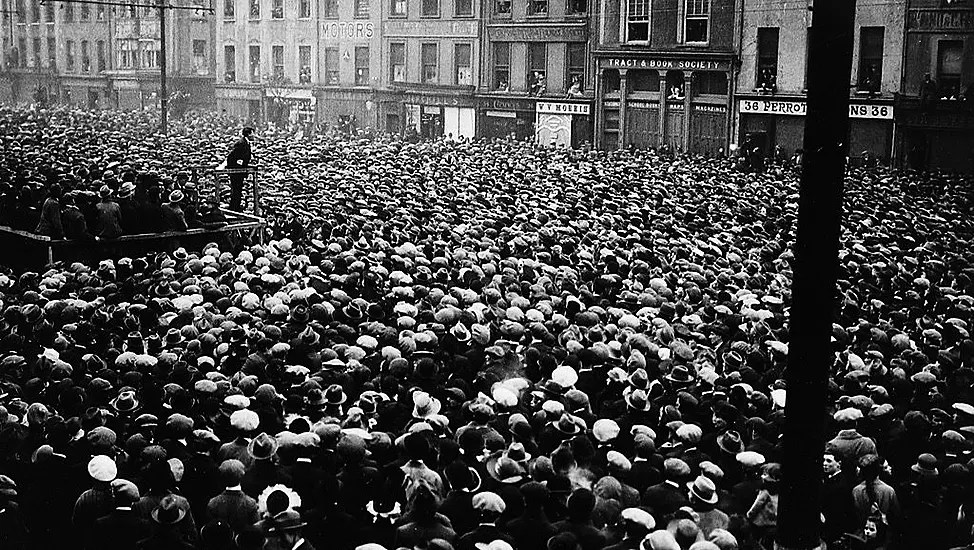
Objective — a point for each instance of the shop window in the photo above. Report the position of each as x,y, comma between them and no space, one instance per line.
950,57
767,73
304,9
361,65
229,63
398,8
277,9
696,22
642,81
255,9
254,63
576,7
330,8
710,83
331,67
397,62
304,65
463,8
462,64
675,89
576,68
229,10
612,81
537,76
431,8
538,7
277,62
502,66
637,21
429,56
361,9
502,7
870,59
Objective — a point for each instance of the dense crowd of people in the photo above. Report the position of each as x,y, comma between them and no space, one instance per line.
471,345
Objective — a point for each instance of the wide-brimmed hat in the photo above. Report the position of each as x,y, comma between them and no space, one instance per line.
126,402
730,442
176,196
335,395
425,405
169,511
679,375
126,190
926,464
704,490
505,469
637,400
567,424
288,520
263,447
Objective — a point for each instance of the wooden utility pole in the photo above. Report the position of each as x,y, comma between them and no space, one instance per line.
163,87
815,272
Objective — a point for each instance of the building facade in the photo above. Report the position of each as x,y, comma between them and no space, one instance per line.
538,83
770,98
312,61
664,72
935,108
430,56
101,56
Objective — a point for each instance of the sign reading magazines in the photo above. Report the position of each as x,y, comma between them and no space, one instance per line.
799,108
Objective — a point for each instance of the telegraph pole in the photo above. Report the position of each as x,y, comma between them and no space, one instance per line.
163,7
163,88
816,271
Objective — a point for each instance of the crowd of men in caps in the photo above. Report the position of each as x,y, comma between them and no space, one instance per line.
472,345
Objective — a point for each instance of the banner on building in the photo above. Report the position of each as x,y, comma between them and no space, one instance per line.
800,108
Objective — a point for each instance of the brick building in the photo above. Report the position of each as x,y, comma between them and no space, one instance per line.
430,56
771,84
935,108
310,60
665,74
538,82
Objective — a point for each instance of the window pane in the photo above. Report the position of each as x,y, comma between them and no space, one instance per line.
431,8
361,8
331,66
464,7
537,75
304,64
502,66
277,9
229,64
767,73
502,7
464,73
331,8
950,58
397,62
576,67
255,63
429,60
255,9
228,9
304,9
362,66
870,58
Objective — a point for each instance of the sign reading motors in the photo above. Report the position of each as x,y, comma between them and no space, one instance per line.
340,30
799,108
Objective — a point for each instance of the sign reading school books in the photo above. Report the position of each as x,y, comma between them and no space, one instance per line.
800,108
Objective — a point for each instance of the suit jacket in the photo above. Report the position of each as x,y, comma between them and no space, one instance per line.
239,156
483,533
235,508
120,530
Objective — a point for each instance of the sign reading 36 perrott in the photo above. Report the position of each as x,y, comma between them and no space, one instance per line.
800,108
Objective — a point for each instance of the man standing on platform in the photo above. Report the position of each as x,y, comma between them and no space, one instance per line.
239,159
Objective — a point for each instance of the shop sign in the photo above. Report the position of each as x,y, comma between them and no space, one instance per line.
710,109
501,104
347,30
290,93
940,20
800,108
611,104
563,108
432,28
642,105
501,114
537,33
666,64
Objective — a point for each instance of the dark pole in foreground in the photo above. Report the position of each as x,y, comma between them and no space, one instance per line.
815,273
163,91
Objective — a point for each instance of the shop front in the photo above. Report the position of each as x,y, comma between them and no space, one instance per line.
680,102
85,92
777,126
289,105
935,137
347,109
242,101
505,117
563,123
429,115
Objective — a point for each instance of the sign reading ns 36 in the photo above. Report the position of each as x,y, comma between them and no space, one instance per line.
800,108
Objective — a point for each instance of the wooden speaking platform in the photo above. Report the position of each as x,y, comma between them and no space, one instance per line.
26,250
